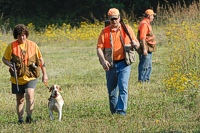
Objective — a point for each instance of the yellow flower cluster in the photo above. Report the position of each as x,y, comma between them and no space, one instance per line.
85,31
67,32
184,42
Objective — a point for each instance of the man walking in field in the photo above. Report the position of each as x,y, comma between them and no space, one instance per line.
111,54
148,45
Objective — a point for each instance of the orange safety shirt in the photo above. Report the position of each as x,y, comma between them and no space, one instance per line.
118,49
144,28
146,31
8,55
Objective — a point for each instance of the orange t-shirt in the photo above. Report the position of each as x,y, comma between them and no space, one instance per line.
144,28
118,48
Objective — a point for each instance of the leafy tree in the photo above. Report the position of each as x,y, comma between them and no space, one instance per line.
45,12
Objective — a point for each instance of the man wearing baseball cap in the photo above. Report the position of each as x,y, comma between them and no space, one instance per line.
110,51
148,45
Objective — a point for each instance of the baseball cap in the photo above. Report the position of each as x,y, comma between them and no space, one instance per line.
113,13
150,12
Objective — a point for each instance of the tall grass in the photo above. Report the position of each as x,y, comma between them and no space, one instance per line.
73,64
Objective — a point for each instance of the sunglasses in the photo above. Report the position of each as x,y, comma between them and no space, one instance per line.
114,19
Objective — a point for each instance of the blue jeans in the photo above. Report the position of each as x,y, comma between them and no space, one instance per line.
117,84
145,67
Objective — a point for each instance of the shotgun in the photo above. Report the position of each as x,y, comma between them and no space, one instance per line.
15,75
126,30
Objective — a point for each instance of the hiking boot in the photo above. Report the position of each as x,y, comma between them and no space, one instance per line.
20,121
28,119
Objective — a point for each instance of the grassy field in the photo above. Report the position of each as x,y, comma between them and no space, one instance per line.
169,103
75,67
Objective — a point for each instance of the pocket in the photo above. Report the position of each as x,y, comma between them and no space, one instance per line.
132,56
21,69
108,55
129,54
32,71
151,47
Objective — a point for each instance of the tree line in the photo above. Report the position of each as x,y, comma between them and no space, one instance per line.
44,12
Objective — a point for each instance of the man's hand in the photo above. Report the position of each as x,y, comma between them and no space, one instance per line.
44,78
106,65
145,52
135,44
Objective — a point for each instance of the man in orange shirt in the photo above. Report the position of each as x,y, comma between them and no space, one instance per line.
148,43
110,51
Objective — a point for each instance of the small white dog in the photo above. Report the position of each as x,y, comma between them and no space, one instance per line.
55,102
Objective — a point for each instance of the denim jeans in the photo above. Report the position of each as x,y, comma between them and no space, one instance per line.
145,67
117,84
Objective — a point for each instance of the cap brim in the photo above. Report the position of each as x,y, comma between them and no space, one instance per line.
149,14
113,16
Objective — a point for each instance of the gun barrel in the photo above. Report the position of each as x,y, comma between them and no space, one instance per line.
126,30
15,75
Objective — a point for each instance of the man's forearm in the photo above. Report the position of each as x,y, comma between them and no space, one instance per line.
42,66
6,62
143,42
100,54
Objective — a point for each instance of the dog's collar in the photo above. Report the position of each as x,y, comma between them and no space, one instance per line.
52,97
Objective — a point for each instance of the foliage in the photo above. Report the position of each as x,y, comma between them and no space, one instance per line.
184,56
2,48
43,12
84,32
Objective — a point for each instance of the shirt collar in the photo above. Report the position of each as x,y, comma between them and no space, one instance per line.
116,29
147,20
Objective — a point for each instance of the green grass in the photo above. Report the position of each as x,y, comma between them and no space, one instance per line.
75,67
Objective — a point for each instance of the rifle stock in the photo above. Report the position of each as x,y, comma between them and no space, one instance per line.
107,22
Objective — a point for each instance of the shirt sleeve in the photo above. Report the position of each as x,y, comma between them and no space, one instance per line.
8,52
143,31
100,43
38,52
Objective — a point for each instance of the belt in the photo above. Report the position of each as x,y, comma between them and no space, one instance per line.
117,61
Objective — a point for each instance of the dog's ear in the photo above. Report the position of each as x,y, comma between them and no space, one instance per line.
52,87
58,88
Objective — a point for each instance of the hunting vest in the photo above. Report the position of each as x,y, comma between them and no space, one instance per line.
108,43
26,60
150,39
